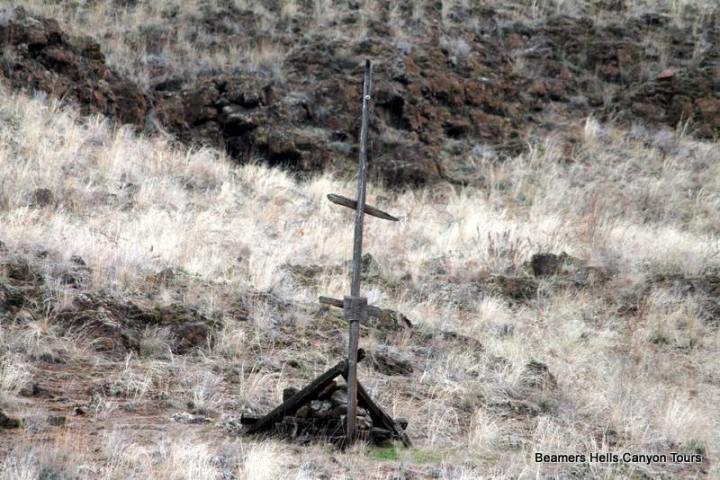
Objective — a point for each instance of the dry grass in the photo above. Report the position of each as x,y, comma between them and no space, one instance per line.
167,458
132,206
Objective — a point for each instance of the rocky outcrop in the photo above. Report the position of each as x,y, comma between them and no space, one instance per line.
452,92
117,326
113,326
675,97
39,56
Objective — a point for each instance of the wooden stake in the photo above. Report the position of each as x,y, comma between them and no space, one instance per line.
358,308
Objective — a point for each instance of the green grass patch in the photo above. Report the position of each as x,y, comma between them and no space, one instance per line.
384,454
390,454
426,456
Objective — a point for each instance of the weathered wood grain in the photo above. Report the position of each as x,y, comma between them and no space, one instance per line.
369,209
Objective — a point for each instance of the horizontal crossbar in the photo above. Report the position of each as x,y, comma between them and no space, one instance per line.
336,302
369,209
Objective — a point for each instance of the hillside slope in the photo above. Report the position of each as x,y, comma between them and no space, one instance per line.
142,284
564,295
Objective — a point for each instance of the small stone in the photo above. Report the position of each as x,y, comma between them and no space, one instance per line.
548,264
339,397
304,412
288,393
23,317
320,407
42,197
48,357
78,260
56,420
369,265
537,375
403,422
18,269
191,336
515,288
389,362
189,418
30,390
339,410
364,422
8,422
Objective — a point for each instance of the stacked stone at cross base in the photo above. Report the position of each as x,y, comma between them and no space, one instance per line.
324,418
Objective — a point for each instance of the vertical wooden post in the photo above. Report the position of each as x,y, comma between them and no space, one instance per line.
355,307
355,311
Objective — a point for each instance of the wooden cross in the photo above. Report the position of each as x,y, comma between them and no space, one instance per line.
355,311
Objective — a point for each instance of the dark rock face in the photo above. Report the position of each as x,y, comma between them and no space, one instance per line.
431,108
449,88
40,56
673,97
453,91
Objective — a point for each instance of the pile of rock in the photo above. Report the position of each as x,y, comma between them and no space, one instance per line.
325,417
